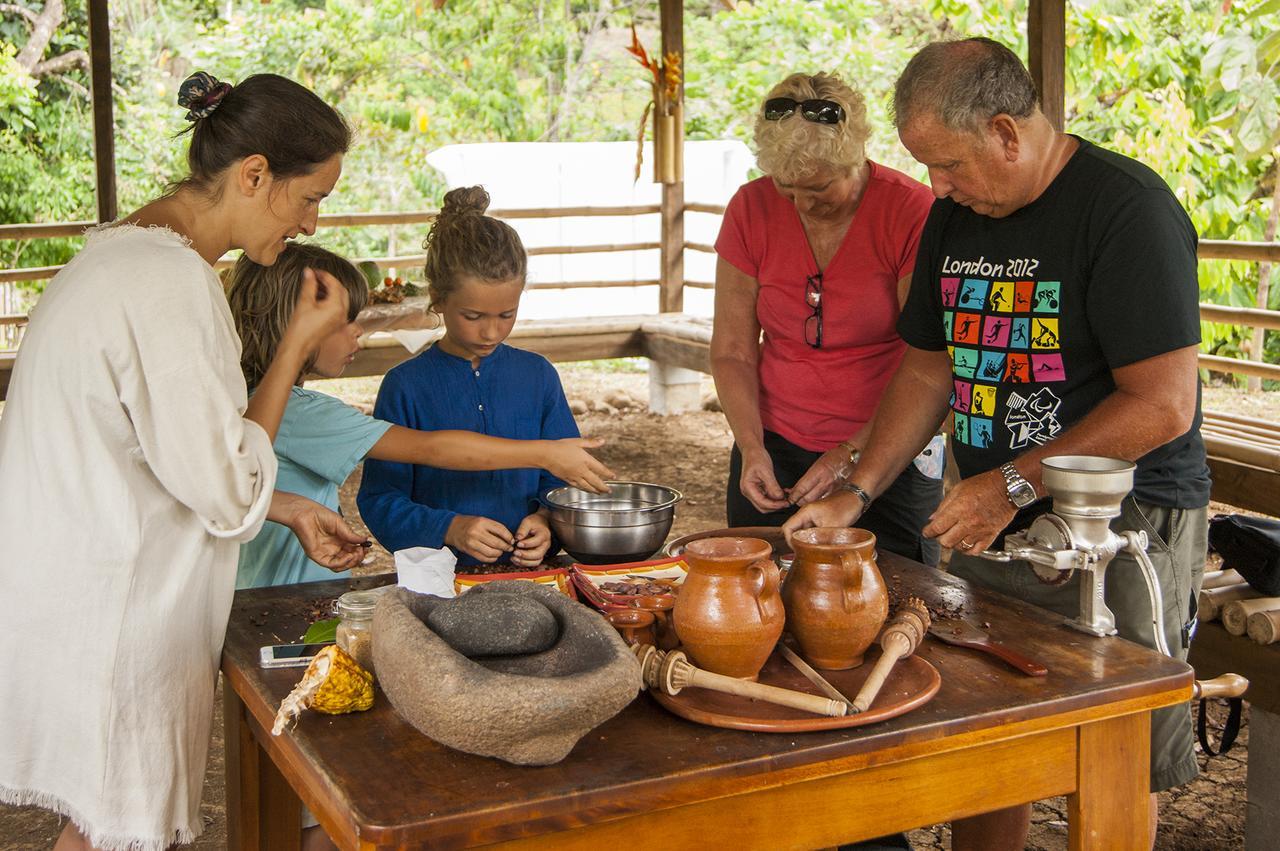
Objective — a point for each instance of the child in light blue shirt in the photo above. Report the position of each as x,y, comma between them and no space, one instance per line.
322,439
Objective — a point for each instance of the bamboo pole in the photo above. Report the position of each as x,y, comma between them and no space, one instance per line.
1212,600
1235,615
1240,367
51,230
1231,249
695,207
700,246
1264,627
579,285
1244,433
1248,453
1228,416
1219,578
28,273
1250,316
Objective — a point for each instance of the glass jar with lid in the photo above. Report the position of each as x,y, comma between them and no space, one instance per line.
355,627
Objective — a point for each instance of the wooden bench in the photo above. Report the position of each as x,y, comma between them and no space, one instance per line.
1244,460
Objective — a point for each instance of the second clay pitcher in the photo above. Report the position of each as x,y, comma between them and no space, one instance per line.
729,614
835,598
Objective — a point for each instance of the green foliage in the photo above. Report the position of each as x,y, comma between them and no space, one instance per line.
1191,87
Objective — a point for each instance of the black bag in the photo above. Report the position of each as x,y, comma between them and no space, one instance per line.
1250,545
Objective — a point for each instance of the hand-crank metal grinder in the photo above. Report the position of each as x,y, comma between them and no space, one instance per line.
1076,535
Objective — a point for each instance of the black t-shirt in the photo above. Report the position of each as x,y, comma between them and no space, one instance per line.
1037,308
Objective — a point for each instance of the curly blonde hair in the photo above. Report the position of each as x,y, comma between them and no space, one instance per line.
794,148
464,242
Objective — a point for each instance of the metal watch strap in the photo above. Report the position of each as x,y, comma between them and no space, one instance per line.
1014,481
859,493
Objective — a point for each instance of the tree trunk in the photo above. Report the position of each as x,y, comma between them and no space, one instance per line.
1258,348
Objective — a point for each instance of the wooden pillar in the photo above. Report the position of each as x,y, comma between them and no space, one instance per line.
671,250
104,146
1047,56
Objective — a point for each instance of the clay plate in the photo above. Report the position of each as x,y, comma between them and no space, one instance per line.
912,683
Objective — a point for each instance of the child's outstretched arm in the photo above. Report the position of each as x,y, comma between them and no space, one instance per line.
566,459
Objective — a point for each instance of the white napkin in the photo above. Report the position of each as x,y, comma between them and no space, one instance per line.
426,570
415,340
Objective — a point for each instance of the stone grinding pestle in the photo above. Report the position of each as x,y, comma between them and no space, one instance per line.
901,636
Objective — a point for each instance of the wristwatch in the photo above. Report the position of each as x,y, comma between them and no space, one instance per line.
1019,490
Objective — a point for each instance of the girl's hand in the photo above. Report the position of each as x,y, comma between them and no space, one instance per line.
322,308
479,537
533,537
569,460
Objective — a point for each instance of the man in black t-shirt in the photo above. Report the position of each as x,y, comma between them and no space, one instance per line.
1053,311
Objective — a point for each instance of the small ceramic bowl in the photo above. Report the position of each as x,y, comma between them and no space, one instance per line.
635,625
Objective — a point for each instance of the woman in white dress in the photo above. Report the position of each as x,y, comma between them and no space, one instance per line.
132,466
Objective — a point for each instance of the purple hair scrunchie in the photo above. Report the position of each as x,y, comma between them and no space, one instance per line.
200,94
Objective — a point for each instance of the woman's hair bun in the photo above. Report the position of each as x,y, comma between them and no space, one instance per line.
200,94
465,200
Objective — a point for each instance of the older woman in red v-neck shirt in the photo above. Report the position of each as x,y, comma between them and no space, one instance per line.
817,254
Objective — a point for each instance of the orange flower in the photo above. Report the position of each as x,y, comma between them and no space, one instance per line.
637,50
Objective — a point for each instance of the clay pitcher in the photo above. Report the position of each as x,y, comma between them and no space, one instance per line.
835,598
728,613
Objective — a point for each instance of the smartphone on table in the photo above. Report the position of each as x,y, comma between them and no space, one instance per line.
289,655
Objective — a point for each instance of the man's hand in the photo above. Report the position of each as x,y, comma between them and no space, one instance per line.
533,537
569,460
479,537
972,514
839,509
324,535
821,478
759,485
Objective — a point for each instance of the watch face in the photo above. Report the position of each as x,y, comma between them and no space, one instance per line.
1022,494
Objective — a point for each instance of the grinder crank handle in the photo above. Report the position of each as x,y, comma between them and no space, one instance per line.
1225,685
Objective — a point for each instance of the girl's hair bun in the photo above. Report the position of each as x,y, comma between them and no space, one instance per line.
200,94
465,200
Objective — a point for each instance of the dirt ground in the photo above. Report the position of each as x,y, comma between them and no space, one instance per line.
691,452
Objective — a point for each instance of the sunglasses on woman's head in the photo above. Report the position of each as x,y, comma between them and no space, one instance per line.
817,110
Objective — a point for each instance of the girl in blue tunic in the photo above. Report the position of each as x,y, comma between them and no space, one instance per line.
470,379
321,439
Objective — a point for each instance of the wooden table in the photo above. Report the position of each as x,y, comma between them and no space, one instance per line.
991,738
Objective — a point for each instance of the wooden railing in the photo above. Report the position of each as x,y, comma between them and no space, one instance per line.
11,323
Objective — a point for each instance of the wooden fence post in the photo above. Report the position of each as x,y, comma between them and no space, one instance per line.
1047,56
671,252
104,143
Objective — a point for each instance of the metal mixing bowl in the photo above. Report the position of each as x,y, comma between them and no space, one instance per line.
629,523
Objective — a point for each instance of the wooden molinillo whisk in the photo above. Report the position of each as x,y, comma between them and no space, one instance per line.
671,672
901,636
